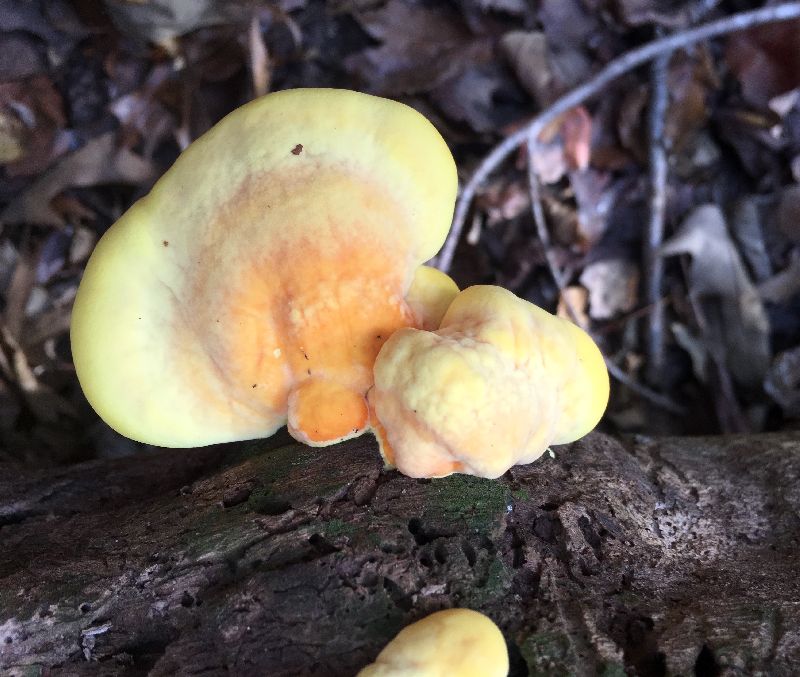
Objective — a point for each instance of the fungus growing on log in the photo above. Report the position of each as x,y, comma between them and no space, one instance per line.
295,229
431,294
450,643
498,382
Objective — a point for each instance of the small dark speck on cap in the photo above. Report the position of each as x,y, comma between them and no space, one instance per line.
255,384
165,243
297,149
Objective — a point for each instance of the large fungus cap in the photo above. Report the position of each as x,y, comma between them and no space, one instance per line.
261,276
450,643
494,386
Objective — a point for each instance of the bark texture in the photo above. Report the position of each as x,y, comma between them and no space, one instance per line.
661,557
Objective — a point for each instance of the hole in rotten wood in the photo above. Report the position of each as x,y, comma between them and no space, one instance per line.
518,667
706,664
396,594
322,545
469,553
270,505
440,553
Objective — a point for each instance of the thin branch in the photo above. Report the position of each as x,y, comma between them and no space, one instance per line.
644,392
654,264
541,224
260,70
619,66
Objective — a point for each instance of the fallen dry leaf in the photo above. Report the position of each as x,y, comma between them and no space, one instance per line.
544,72
766,60
782,383
12,137
528,55
20,56
162,21
143,115
472,95
504,201
574,299
690,81
783,104
83,241
716,266
737,322
19,289
515,7
595,197
696,349
613,286
420,48
46,405
748,232
549,161
56,28
673,14
576,130
788,214
568,23
783,286
31,115
631,122
99,161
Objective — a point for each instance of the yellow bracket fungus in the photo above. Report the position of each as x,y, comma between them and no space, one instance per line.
451,643
431,294
258,280
498,382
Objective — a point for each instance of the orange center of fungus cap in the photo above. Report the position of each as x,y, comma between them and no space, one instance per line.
261,276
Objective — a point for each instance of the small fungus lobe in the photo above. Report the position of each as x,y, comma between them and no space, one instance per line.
495,385
458,642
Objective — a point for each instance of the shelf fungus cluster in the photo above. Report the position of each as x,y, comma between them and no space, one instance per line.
274,275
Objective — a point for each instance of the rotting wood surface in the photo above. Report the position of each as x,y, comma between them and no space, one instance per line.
677,556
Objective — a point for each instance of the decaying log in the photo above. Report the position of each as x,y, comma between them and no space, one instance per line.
676,556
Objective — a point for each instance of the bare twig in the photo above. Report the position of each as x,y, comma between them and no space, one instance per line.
541,226
644,392
577,96
654,264
259,58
